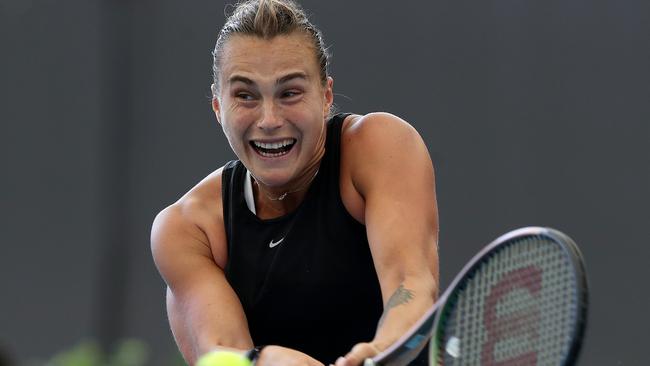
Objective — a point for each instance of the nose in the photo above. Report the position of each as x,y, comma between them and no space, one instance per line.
271,118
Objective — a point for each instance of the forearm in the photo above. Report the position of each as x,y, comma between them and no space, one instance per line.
199,329
410,299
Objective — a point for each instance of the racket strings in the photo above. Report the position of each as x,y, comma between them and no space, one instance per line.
515,309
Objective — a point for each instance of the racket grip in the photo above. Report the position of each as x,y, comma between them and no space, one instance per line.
368,362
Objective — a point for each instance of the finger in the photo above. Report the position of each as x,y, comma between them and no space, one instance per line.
358,354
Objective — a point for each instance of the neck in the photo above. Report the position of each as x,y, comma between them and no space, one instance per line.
274,202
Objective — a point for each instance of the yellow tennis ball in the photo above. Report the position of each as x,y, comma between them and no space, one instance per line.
223,358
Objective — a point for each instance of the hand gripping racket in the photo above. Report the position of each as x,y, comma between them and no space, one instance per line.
522,300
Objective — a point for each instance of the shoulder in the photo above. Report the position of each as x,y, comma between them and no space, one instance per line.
380,138
359,129
202,199
194,221
375,148
356,123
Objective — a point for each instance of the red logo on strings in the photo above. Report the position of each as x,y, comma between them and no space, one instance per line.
517,324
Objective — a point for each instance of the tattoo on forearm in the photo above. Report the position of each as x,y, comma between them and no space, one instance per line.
400,296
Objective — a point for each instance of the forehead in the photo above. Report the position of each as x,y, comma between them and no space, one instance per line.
270,58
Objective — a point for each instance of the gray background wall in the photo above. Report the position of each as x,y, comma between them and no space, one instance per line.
536,112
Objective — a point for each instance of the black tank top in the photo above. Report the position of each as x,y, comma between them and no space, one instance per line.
306,280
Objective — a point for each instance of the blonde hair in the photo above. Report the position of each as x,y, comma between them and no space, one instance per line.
267,19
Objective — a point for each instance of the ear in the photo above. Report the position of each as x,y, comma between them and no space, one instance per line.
216,106
328,95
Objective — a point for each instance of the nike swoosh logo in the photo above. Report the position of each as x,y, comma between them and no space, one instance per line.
274,243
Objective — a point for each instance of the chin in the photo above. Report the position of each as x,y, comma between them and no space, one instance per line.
272,177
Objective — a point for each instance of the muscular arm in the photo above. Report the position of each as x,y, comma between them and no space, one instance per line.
390,168
188,245
204,312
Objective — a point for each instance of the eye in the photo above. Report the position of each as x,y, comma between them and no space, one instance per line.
244,96
291,94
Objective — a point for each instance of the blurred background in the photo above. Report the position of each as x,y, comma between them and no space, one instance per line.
536,112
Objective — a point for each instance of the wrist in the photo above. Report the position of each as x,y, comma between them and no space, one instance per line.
254,353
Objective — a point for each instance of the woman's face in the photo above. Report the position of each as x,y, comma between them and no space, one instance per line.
272,105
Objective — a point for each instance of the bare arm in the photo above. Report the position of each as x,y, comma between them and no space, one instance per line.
391,169
204,312
189,247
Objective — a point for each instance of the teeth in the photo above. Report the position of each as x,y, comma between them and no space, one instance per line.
274,145
273,155
273,149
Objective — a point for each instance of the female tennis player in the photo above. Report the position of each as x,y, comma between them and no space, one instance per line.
319,244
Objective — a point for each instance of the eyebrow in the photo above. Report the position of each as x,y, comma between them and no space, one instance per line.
284,79
293,75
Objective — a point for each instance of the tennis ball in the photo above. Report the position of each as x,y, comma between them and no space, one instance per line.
223,358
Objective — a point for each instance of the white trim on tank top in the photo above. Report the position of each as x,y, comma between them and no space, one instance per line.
248,192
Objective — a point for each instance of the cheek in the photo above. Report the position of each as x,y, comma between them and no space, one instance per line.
236,131
315,133
231,134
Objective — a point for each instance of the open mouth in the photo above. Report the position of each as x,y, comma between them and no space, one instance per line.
273,149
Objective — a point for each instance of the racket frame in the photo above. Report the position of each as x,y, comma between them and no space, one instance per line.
571,251
420,332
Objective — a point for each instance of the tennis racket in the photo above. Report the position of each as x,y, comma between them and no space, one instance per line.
522,300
